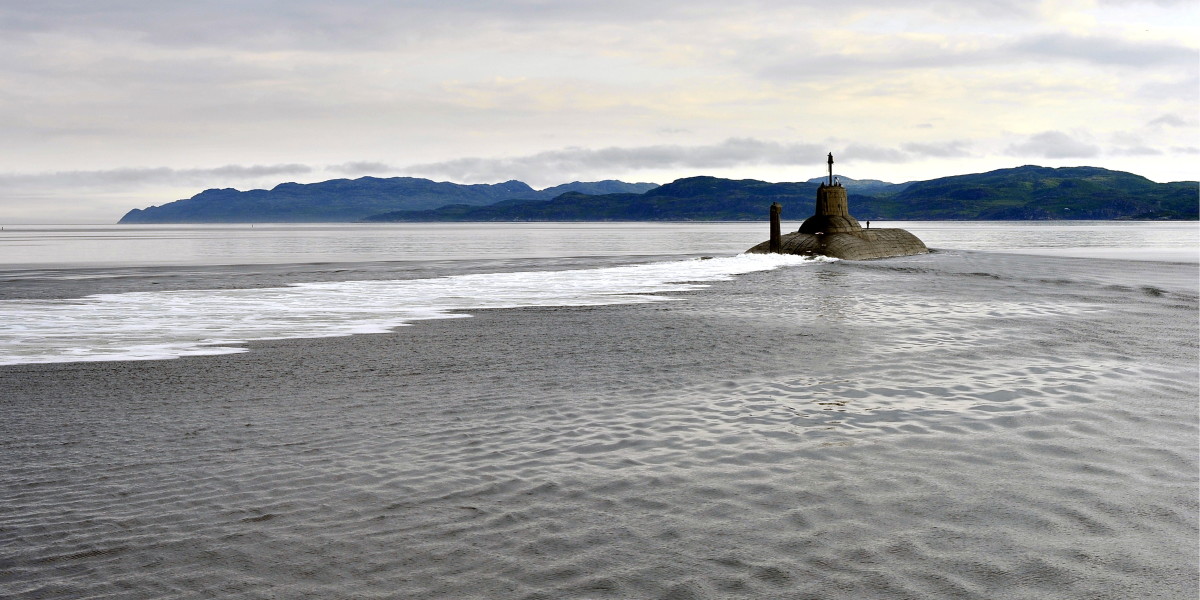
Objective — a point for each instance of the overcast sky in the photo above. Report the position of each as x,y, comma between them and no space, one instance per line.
108,105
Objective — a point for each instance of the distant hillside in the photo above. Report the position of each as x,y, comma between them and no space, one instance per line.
595,188
865,186
1034,193
342,200
1022,193
689,199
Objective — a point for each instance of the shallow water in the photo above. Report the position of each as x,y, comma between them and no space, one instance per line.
957,425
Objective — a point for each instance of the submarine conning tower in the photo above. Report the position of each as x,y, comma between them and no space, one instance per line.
831,231
832,214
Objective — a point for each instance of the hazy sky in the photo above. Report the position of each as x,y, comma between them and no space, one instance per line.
108,105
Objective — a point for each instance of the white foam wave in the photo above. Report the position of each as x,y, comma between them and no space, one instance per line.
171,324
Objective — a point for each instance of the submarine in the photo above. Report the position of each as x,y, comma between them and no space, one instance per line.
833,232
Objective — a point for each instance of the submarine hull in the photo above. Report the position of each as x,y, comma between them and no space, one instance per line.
864,244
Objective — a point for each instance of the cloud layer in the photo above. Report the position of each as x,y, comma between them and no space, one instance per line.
133,101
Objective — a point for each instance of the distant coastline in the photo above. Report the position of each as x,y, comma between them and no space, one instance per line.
1016,194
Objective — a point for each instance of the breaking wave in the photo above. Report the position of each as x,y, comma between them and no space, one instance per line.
171,324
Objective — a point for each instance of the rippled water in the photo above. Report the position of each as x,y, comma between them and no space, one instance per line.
962,424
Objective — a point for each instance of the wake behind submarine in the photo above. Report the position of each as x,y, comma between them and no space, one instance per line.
831,231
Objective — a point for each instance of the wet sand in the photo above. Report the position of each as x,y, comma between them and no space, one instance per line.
953,426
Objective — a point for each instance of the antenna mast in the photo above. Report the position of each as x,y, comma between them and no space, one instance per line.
830,168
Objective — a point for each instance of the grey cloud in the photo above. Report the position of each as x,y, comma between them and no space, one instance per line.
137,177
371,23
735,152
1169,121
952,149
271,23
1136,151
248,171
870,153
570,161
1186,89
360,167
1144,2
103,195
1053,144
803,66
1103,51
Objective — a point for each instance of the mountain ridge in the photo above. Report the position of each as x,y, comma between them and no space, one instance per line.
1028,192
348,200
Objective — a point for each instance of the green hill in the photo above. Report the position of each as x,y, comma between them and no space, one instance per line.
1035,193
690,199
1022,193
342,200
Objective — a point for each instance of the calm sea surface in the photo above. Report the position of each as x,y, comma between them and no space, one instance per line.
545,411
135,245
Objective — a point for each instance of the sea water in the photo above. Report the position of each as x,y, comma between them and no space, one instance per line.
155,325
167,324
631,411
35,246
